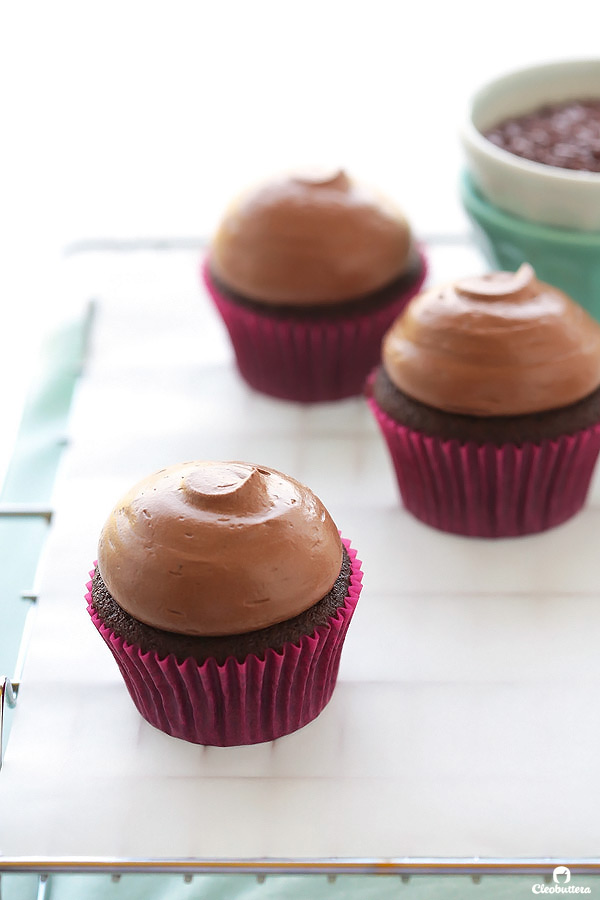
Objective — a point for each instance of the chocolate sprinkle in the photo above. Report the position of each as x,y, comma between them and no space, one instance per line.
566,135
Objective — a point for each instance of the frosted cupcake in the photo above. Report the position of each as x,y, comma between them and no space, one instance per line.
224,592
308,273
488,397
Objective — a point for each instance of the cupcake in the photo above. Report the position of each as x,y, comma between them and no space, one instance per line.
308,273
224,593
488,397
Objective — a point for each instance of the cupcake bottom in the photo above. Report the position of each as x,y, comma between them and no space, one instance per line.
489,489
235,702
316,355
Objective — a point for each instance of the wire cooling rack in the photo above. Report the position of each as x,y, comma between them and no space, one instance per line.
490,636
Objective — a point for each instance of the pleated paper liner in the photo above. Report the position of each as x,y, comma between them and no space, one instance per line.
235,702
487,490
309,359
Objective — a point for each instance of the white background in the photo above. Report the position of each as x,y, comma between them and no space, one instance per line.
130,119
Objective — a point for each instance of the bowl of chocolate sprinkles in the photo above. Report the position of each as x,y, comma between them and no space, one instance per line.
532,182
532,143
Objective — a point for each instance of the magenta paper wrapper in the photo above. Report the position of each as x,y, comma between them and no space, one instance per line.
310,359
237,703
489,491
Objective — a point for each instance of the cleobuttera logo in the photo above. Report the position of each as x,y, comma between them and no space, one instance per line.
561,877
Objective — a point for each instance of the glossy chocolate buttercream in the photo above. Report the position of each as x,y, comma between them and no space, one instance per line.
501,344
310,241
217,548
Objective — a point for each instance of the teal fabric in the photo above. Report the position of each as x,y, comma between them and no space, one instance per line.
299,887
30,478
30,475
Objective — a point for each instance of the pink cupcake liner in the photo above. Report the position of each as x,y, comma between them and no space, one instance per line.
237,702
312,359
483,490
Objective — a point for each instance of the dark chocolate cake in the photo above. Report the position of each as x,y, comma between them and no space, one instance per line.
200,648
498,430
373,301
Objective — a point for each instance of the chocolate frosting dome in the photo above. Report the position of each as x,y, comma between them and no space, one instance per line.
310,240
217,548
502,344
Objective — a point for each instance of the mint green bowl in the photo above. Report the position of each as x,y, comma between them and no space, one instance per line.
567,259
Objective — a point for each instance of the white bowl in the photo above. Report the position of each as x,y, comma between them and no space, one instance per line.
547,194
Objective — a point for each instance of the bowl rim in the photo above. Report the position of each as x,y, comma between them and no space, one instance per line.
473,198
470,134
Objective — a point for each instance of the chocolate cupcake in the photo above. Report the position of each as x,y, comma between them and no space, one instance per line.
308,273
224,592
488,396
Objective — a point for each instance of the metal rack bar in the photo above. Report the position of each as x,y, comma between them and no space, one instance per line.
8,694
9,687
25,510
43,892
404,867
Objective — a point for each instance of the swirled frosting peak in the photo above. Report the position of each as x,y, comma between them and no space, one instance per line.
501,344
215,548
312,238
